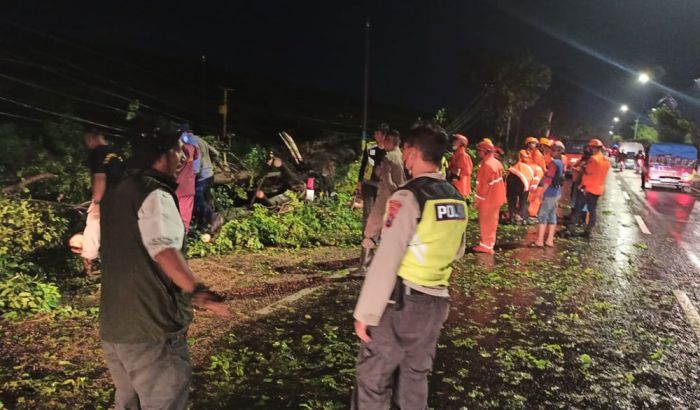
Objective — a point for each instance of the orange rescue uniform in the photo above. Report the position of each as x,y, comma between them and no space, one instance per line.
594,174
490,195
535,197
461,165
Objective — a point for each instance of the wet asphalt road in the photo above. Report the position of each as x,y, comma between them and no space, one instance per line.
672,218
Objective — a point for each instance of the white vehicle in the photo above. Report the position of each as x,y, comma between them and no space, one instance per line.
630,149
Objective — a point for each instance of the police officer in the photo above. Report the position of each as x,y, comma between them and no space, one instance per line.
368,181
404,298
391,175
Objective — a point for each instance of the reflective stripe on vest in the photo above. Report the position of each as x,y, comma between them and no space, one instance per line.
443,221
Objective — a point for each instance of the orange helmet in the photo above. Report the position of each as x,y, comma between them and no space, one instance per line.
595,142
461,139
530,140
545,141
523,156
486,145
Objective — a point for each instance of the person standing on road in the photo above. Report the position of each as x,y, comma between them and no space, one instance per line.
106,167
147,287
368,179
391,176
591,188
538,166
553,180
546,149
489,196
186,181
203,212
461,166
518,183
404,299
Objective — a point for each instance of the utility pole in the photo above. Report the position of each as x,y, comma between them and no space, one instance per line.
549,124
636,125
366,85
223,110
202,92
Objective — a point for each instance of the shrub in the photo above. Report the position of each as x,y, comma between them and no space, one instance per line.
329,221
26,229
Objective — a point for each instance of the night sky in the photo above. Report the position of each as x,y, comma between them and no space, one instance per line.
417,47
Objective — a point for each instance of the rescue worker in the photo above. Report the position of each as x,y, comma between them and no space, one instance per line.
591,187
391,176
535,154
489,196
518,182
551,186
546,149
404,299
538,166
368,178
461,166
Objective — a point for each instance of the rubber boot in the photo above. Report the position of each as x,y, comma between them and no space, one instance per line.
365,259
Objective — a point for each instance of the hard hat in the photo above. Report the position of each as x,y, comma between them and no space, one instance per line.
545,141
461,139
595,142
523,155
486,145
559,145
530,140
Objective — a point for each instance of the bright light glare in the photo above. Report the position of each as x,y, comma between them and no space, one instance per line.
616,119
610,132
644,78
624,108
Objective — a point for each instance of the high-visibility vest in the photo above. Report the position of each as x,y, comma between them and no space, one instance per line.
431,251
524,172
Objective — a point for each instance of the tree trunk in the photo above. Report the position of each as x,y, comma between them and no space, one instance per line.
11,189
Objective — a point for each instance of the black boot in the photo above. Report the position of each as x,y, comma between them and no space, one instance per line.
365,259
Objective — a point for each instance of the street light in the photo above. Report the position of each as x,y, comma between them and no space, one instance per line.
610,132
643,78
624,108
616,119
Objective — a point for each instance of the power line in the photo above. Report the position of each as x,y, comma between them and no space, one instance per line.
91,51
83,83
39,87
58,114
22,117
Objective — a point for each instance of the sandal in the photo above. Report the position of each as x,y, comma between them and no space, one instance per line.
535,245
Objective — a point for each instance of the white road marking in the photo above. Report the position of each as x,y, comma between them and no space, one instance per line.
284,301
297,295
642,225
690,312
626,195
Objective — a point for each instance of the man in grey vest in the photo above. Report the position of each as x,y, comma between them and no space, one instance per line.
147,286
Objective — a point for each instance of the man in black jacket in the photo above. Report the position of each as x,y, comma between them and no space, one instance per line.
147,287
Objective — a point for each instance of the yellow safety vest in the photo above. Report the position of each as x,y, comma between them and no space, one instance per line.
370,148
439,233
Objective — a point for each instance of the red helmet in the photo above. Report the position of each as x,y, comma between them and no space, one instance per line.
460,139
595,142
